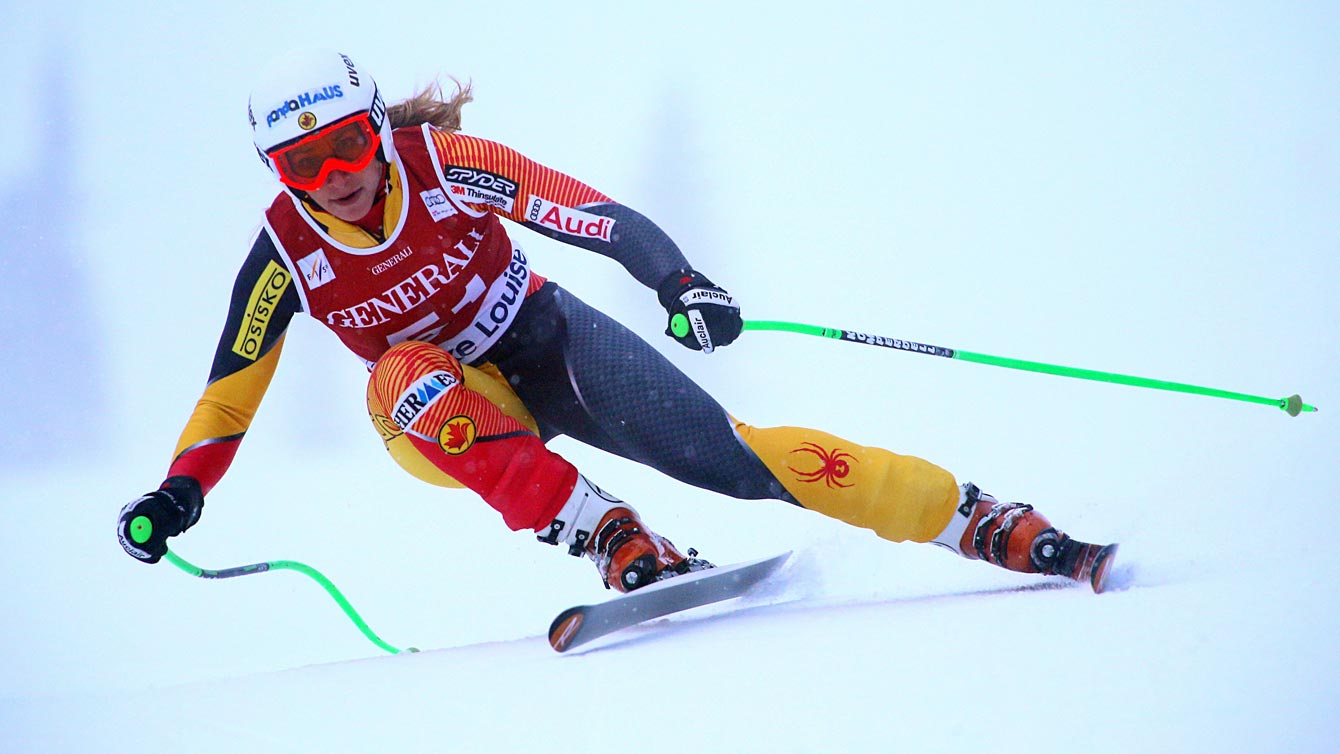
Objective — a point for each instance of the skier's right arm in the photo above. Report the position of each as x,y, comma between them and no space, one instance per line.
263,303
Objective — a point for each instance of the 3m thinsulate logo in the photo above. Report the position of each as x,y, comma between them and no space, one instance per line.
475,186
265,297
481,179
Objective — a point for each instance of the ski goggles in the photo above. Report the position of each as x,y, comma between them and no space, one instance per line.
347,144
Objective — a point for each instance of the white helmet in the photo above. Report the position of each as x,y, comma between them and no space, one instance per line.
300,94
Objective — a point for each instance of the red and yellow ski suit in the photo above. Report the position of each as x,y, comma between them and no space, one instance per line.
476,360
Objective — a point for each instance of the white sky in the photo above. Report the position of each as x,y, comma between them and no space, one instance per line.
1096,183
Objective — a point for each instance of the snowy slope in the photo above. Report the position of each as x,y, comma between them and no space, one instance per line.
1220,643
1173,664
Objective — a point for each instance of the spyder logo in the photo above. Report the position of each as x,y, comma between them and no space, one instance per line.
835,465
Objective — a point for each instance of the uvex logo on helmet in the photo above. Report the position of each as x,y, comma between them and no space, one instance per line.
353,71
306,99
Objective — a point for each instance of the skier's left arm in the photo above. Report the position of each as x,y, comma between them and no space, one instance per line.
701,315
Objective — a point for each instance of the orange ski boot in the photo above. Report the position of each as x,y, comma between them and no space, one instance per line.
627,553
1018,538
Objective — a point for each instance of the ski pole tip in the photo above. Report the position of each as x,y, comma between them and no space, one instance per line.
1294,405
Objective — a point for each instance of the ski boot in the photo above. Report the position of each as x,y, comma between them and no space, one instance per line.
1018,538
627,554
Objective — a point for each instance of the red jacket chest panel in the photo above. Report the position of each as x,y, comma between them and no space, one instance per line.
448,274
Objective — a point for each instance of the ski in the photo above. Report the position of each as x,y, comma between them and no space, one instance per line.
578,625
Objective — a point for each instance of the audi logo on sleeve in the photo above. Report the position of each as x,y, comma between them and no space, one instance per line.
567,220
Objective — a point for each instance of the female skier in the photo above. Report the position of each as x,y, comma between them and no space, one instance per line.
388,231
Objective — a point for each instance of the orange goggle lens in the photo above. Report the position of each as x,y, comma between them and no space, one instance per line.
346,145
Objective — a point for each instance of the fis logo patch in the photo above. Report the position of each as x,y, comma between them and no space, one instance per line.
274,280
316,269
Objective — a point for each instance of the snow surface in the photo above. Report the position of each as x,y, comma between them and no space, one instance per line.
1143,189
1222,642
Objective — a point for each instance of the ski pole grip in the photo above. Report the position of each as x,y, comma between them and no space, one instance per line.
141,529
679,325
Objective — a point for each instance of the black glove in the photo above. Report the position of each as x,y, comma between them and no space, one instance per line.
149,520
702,315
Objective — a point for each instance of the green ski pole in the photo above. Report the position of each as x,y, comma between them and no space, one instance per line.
1292,405
142,528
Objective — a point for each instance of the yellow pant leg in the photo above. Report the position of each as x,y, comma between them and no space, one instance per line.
486,380
900,498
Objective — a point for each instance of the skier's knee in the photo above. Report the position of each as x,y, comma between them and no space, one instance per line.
411,376
421,389
392,375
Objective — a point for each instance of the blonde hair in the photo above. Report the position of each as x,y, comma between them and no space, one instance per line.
428,106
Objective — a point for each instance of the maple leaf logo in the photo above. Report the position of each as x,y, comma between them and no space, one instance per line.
458,434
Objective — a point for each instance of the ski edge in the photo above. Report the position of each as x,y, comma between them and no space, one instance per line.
565,632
